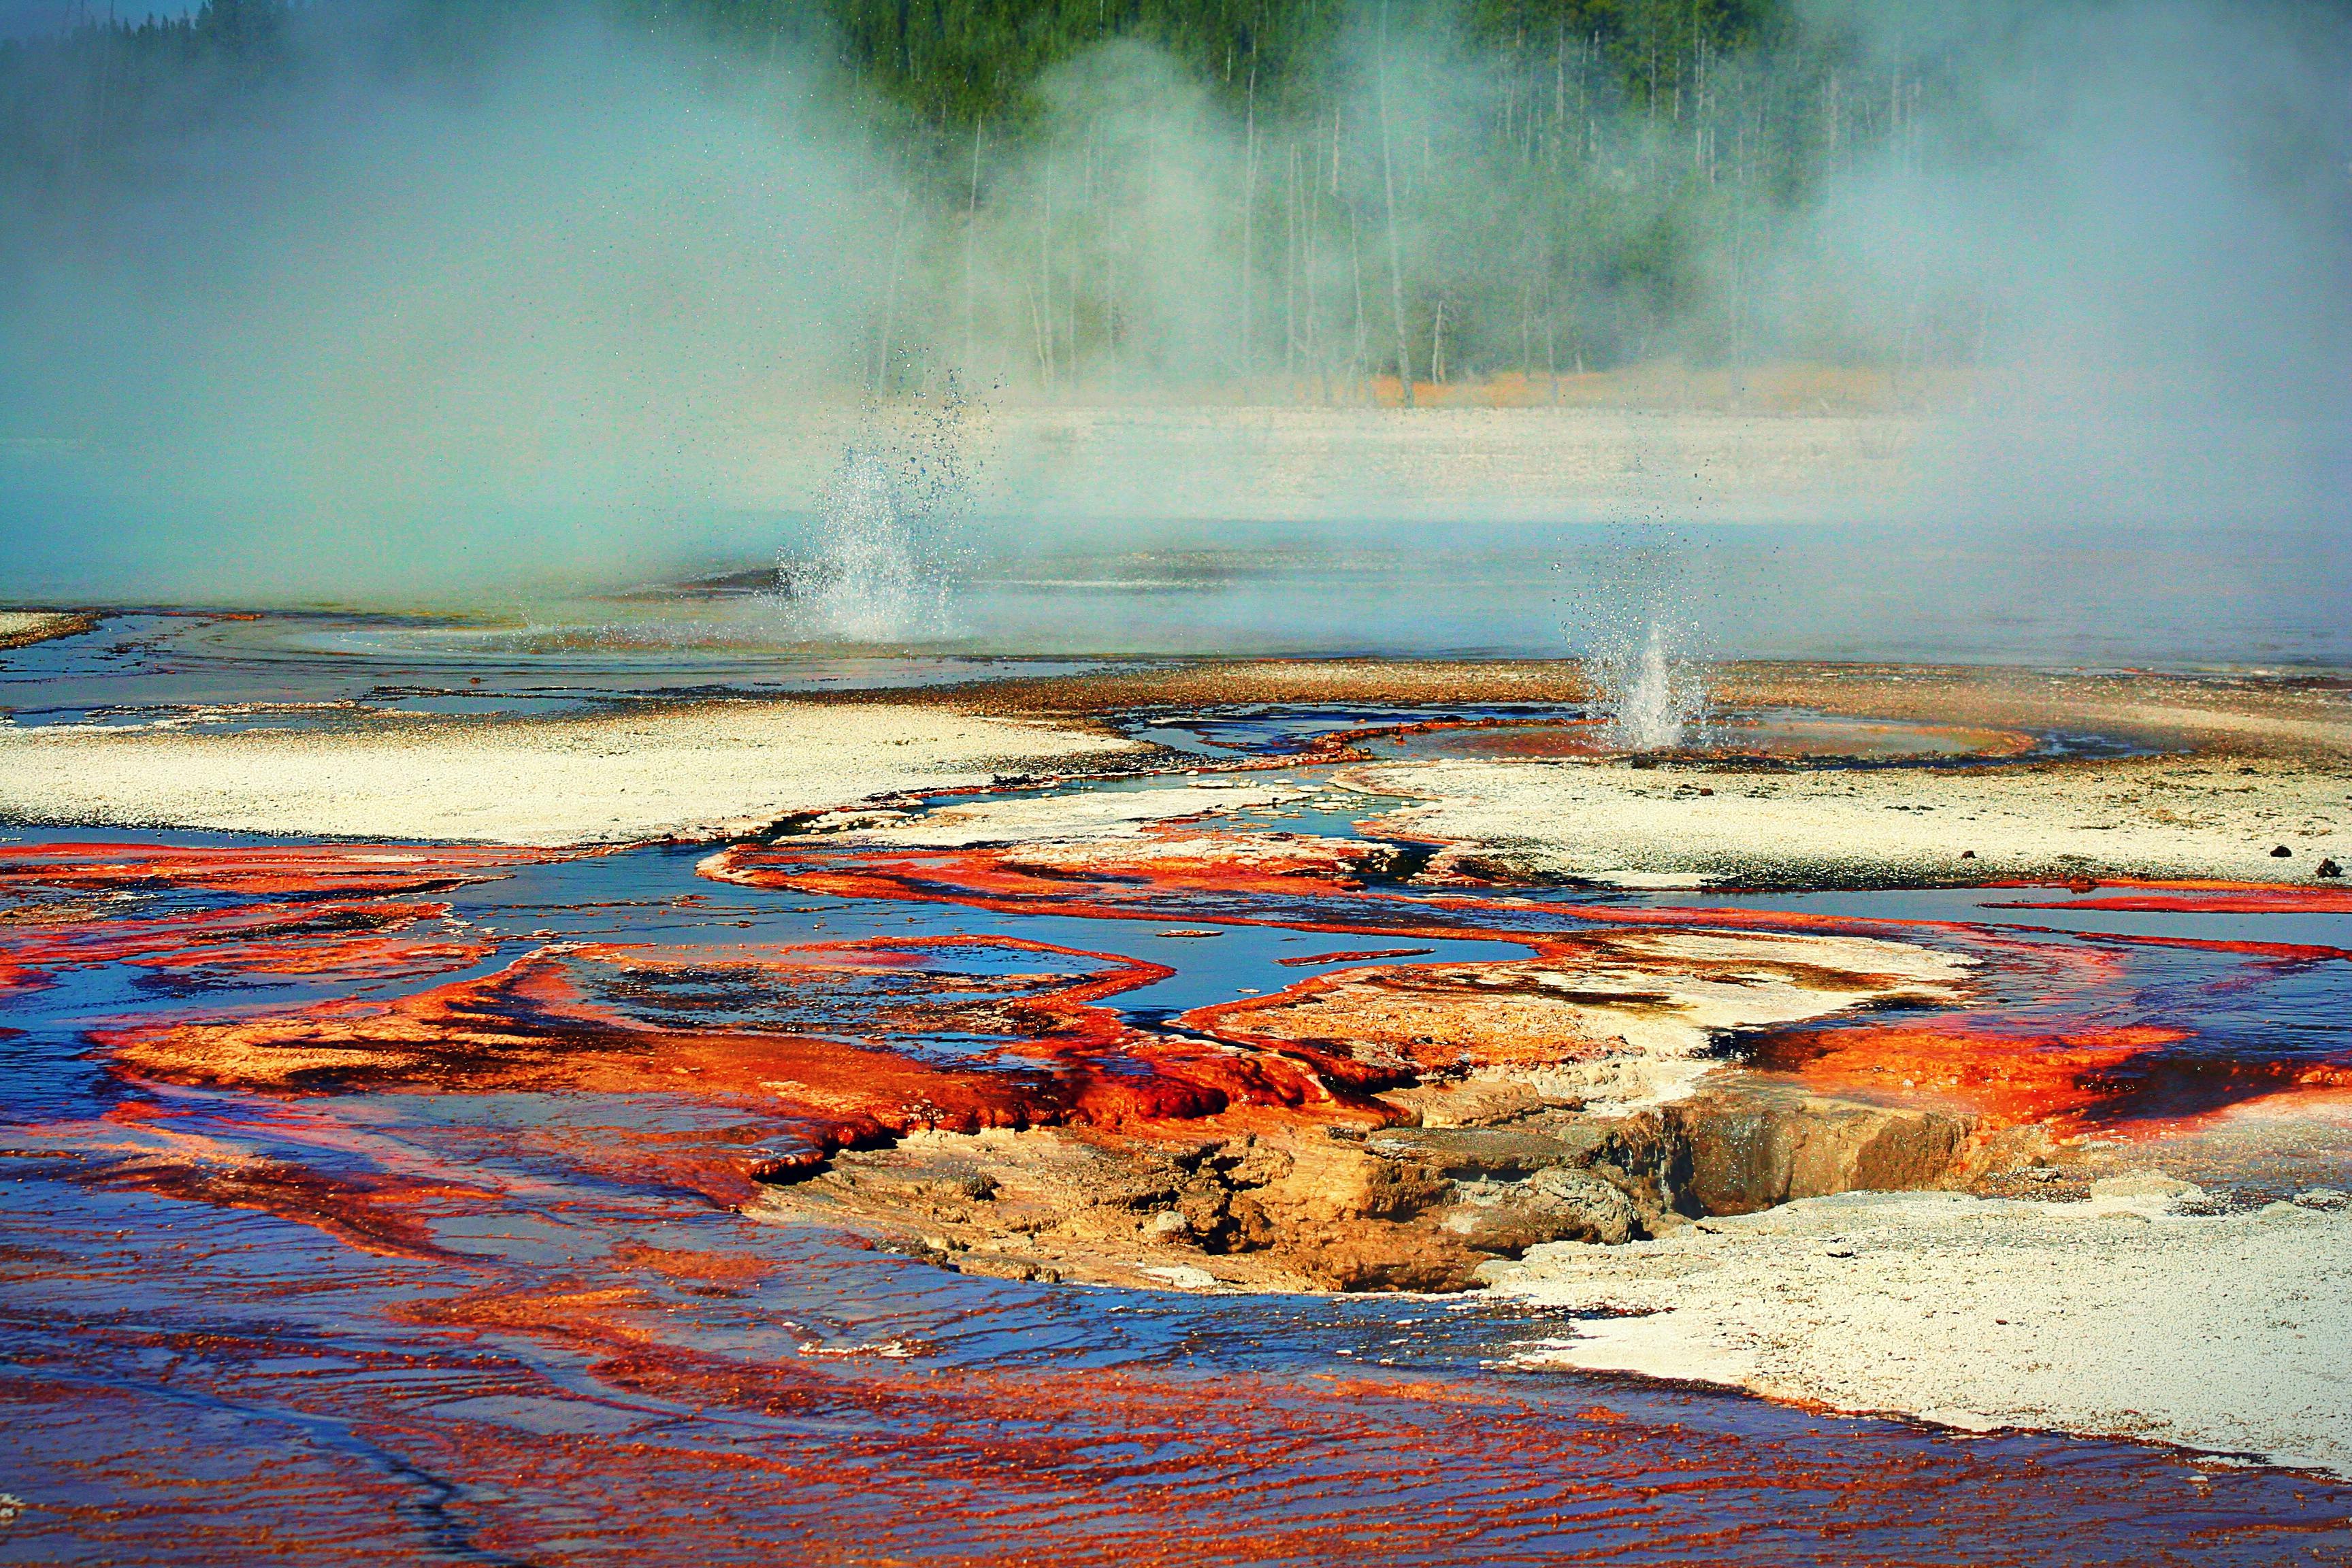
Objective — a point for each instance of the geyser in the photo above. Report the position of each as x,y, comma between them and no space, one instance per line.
1653,699
885,556
1644,642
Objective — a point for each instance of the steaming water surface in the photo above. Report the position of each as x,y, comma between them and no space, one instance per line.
2153,596
2195,605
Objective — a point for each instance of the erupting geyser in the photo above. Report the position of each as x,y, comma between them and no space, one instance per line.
883,562
1646,653
868,582
1651,694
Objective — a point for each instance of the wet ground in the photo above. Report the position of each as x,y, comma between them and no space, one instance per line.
217,670
390,1199
1530,730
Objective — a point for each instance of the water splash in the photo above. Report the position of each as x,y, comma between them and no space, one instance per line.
1646,645
1652,690
884,562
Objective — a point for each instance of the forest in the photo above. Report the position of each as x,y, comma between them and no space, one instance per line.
1327,199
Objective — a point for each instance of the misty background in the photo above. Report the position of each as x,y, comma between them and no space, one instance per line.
1908,324
43,19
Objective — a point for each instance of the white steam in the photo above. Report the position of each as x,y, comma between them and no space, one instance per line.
598,307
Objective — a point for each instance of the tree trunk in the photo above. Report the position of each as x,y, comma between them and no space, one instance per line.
1249,213
1396,255
1046,275
881,382
1360,367
970,236
1552,354
1290,268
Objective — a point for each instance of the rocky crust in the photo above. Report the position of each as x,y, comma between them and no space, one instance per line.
1343,1206
1610,1021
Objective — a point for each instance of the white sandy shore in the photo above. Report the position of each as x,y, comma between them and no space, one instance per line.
2157,817
709,770
2227,1333
20,627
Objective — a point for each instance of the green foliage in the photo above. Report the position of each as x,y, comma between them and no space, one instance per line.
954,61
957,62
1561,183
